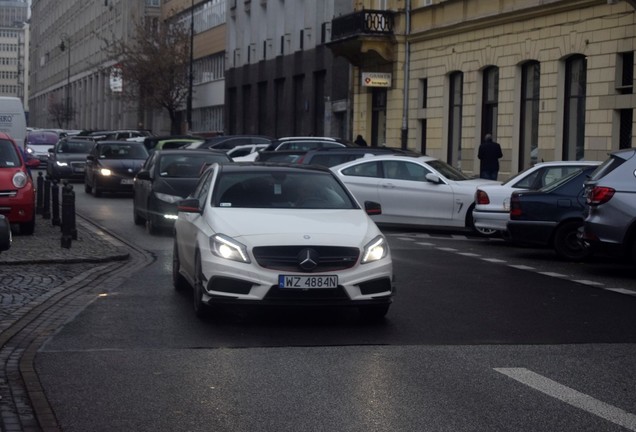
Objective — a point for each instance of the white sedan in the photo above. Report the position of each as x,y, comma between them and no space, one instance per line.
413,190
492,202
280,235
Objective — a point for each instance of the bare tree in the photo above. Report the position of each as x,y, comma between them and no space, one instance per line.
60,113
154,66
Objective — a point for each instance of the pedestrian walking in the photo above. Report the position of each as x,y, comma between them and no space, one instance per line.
360,141
489,155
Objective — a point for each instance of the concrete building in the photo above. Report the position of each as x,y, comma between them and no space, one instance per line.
206,19
70,69
550,79
14,56
281,79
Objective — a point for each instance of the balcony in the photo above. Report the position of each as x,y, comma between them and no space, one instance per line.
365,38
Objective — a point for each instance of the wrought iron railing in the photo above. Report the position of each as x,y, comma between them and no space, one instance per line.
363,22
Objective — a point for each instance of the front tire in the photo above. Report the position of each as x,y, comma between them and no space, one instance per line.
201,310
178,281
566,242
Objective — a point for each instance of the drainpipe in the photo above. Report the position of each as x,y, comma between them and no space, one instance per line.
407,65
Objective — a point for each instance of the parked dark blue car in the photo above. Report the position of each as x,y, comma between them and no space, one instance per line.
552,216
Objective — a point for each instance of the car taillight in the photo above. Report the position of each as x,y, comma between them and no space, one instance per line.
515,207
599,195
481,197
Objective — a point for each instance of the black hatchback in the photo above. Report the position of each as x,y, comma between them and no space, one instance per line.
167,177
552,216
112,165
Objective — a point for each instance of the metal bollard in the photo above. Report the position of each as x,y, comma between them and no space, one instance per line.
46,205
55,203
69,233
38,193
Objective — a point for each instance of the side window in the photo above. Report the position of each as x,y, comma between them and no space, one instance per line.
202,188
403,170
368,169
529,180
416,171
554,174
150,162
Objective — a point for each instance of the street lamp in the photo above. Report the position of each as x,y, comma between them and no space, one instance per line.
67,46
191,72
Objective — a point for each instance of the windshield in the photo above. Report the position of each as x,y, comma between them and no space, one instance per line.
281,189
450,172
79,146
8,155
125,150
186,166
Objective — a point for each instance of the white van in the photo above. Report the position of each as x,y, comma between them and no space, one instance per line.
13,119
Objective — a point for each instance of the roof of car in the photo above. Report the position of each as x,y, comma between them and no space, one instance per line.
203,152
266,166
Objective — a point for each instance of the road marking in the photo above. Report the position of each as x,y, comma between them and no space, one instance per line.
522,267
622,291
406,238
494,260
571,396
448,249
588,282
552,274
469,254
425,244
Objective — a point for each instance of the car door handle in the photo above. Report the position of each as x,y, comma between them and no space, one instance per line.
388,185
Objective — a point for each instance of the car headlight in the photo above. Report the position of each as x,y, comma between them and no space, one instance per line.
171,199
375,250
29,150
105,171
228,248
62,164
19,179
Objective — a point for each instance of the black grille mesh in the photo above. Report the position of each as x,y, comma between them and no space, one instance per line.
285,258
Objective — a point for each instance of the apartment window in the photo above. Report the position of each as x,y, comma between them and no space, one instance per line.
625,72
574,110
455,118
625,137
423,92
210,68
490,102
529,127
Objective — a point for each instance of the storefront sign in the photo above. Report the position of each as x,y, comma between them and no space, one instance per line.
116,81
376,79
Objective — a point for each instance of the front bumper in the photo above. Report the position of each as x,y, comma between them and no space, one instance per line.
228,282
19,208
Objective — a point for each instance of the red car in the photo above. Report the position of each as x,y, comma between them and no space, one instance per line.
17,191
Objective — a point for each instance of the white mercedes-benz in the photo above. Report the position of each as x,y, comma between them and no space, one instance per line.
277,234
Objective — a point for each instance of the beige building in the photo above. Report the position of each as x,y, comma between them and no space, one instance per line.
550,79
14,57
206,19
70,69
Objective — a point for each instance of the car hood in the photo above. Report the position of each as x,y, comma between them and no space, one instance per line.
175,186
70,157
122,164
300,226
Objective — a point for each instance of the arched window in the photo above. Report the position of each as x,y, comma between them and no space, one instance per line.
574,110
529,125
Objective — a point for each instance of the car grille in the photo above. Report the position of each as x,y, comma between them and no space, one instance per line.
314,297
78,165
8,193
285,258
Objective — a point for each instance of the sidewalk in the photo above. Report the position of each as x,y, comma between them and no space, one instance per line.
45,245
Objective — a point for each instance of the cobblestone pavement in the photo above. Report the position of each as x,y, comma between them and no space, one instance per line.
41,283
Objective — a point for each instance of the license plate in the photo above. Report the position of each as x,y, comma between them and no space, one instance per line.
308,282
126,181
78,170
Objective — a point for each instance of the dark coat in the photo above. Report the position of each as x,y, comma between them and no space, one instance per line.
489,155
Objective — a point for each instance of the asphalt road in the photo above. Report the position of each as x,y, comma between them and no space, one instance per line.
481,337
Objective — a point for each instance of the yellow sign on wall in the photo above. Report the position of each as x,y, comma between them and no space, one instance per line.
376,79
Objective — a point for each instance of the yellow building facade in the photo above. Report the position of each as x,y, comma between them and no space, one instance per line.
551,80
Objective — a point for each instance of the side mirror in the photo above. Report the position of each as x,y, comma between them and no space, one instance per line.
372,208
143,175
433,178
51,150
90,158
32,163
189,205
